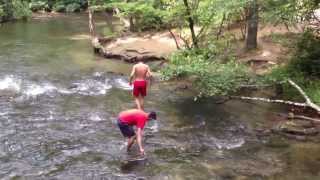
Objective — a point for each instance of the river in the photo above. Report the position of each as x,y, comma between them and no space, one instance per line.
58,108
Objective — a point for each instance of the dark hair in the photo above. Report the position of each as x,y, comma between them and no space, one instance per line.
152,115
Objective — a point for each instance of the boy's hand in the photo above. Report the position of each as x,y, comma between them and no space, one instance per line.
142,152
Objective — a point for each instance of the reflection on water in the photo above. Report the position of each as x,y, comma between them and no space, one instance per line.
58,108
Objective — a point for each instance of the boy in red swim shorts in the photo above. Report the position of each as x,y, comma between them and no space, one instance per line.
139,76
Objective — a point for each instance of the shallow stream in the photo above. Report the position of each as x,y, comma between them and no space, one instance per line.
58,108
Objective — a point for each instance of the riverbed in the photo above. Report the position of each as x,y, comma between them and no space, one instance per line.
58,109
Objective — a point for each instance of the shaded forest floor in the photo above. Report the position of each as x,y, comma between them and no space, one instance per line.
275,45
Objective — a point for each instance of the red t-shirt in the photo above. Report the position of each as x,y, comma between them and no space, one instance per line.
134,117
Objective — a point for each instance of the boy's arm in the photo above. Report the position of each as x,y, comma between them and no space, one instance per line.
149,75
139,140
132,75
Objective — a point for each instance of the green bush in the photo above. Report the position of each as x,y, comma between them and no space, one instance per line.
147,17
74,7
59,7
304,68
210,77
307,56
21,9
144,15
13,9
6,10
37,5
2,13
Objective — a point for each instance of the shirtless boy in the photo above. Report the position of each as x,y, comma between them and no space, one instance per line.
139,76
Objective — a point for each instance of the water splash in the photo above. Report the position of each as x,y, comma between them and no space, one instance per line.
91,87
228,143
35,90
10,83
122,84
95,117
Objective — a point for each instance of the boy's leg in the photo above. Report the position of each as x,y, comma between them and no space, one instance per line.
141,100
137,100
131,141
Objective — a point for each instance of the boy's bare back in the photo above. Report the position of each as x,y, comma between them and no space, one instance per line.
141,71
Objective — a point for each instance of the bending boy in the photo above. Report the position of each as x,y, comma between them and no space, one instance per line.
134,117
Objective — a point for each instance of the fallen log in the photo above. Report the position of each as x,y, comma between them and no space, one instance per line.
307,131
307,103
305,118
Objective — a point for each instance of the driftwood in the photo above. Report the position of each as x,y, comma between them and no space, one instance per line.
298,133
314,120
307,131
293,136
307,103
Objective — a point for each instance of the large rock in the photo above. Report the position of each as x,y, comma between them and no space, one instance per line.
137,48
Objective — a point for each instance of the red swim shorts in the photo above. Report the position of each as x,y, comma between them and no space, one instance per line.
140,88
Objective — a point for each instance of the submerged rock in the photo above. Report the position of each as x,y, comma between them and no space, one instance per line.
296,128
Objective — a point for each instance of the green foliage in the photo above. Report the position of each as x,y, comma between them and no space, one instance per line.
37,5
305,62
212,12
144,15
13,9
307,56
6,10
313,90
21,9
211,77
58,5
74,7
304,68
288,40
288,11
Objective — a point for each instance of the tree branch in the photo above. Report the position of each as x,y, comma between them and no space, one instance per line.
305,118
271,100
221,26
175,39
308,100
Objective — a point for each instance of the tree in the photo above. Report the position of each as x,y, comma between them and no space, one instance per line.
6,10
14,9
252,25
191,23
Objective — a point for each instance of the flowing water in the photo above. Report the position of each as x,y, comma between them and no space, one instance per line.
58,108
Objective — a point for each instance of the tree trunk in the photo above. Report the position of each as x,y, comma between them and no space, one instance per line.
221,26
94,39
131,24
91,24
132,27
252,25
191,24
